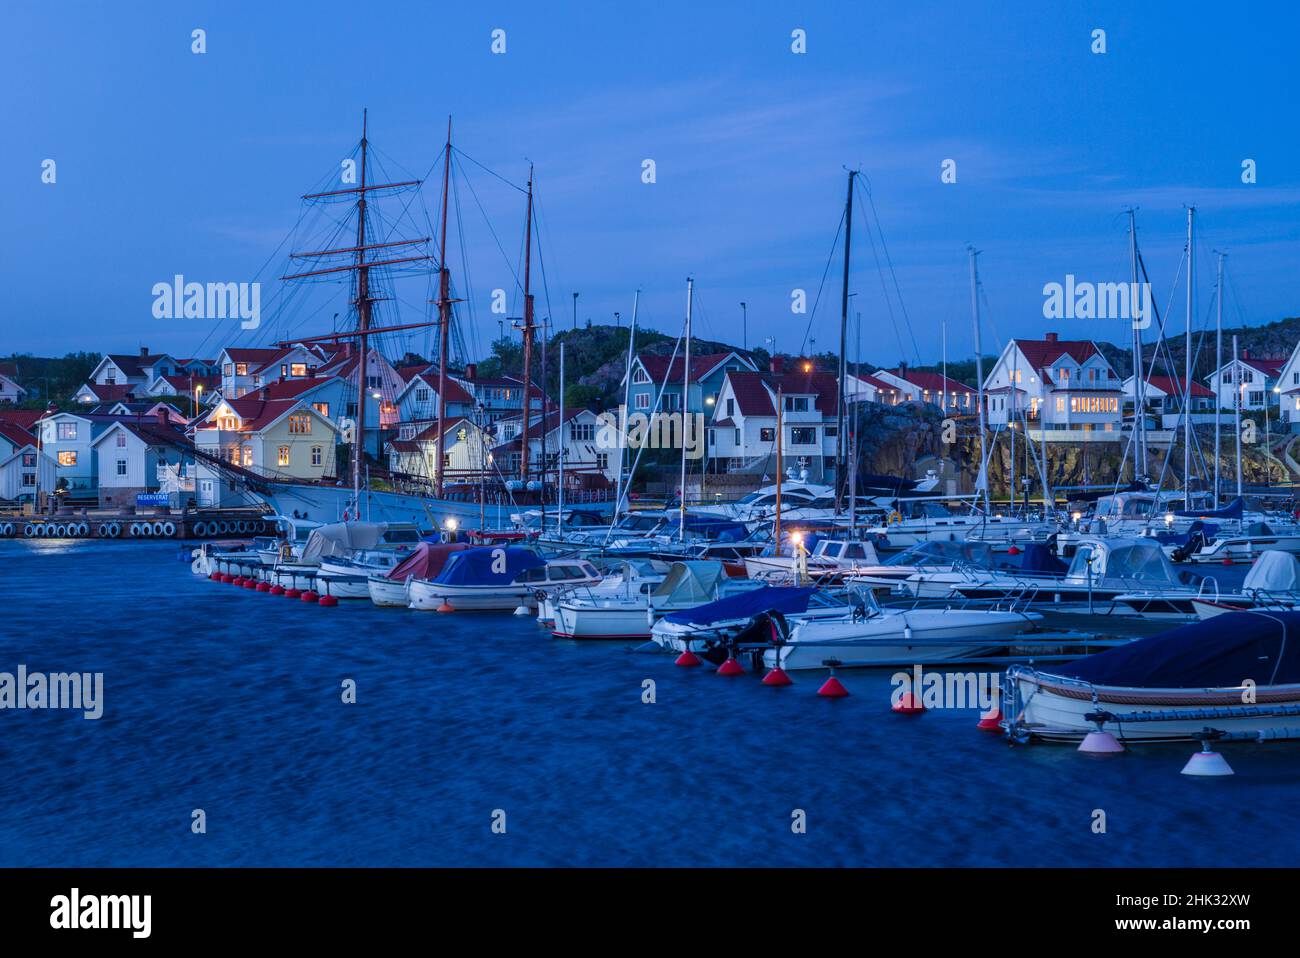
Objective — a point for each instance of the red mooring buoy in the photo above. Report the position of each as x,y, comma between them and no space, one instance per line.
908,704
264,587
215,575
731,667
308,596
445,607
292,593
777,677
250,583
276,590
833,688
687,659
1227,560
990,723
328,601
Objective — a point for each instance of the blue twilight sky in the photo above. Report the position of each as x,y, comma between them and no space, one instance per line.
170,162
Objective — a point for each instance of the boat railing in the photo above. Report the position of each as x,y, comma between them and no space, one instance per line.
1202,593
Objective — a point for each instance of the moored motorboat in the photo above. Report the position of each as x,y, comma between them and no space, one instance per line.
425,562
1234,676
495,578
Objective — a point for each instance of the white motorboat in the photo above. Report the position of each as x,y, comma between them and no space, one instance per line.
1102,570
388,589
631,615
298,568
496,578
912,570
805,628
829,558
931,521
1234,677
622,579
349,577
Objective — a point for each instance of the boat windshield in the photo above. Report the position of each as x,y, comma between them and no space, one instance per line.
944,553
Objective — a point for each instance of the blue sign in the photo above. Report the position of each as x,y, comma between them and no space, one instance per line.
152,499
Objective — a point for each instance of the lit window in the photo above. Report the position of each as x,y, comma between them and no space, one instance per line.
67,458
322,407
283,458
300,423
67,430
241,369
298,369
248,455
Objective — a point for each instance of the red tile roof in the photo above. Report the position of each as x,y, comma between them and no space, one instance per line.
1045,352
752,393
23,418
186,384
1173,386
16,434
934,382
113,393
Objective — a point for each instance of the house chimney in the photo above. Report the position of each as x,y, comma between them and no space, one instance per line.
144,351
471,370
163,418
1245,354
777,364
1051,337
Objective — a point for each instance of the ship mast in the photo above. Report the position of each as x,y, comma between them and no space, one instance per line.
363,301
528,336
363,326
444,320
840,445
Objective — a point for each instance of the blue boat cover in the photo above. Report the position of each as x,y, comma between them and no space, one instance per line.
783,599
1221,652
1036,557
476,566
716,527
1233,510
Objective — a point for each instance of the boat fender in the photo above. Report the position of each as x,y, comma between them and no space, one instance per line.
60,532
83,529
29,530
114,530
169,529
7,529
200,529
134,530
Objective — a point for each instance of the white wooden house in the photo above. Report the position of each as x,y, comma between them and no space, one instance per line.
1064,387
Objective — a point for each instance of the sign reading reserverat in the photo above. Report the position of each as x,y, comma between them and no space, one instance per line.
151,499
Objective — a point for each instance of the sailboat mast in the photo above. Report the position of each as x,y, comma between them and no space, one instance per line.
1139,373
528,335
780,426
686,404
1218,367
1236,405
979,370
444,318
619,484
559,490
1187,364
840,458
363,325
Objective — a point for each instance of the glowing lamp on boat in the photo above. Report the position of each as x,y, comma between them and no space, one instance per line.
449,524
1076,516
1169,518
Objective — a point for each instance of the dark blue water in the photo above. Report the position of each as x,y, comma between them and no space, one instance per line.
229,700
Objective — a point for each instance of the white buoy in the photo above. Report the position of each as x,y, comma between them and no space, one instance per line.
1207,763
523,610
1100,743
